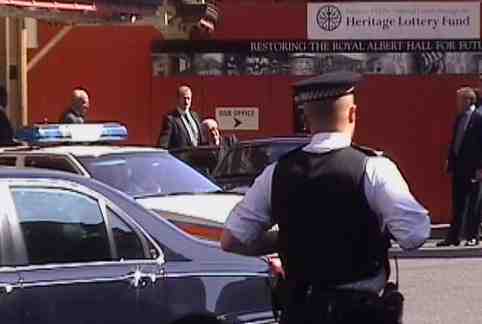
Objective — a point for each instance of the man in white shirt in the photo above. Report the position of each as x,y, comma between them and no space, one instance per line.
331,200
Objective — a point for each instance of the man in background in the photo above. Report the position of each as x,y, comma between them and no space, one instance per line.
464,159
6,129
181,127
211,132
79,107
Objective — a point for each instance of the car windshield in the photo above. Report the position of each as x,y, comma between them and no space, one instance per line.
147,174
250,160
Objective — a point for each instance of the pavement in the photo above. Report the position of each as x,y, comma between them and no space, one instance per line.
430,250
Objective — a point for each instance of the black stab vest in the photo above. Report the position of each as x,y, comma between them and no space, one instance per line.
328,233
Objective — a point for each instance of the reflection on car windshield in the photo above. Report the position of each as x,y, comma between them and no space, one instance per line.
250,160
147,174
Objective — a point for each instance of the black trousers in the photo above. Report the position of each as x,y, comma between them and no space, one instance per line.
462,189
472,224
342,307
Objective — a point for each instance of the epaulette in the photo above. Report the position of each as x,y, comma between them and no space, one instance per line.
368,150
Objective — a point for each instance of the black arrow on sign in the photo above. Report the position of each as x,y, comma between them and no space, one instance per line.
237,122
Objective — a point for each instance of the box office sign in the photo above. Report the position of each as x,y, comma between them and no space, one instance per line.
394,20
238,118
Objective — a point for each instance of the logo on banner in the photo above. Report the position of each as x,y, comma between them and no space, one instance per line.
328,17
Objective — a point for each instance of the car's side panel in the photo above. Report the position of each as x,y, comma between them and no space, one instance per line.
198,289
80,294
10,294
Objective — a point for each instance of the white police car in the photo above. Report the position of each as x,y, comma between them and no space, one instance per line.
152,176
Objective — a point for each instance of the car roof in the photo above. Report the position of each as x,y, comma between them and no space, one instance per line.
81,150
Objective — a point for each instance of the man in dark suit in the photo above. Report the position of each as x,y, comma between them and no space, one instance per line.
78,109
6,129
181,127
472,228
464,159
210,129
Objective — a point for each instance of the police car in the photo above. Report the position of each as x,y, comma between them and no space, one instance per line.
152,176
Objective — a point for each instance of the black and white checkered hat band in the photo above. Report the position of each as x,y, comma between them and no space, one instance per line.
309,95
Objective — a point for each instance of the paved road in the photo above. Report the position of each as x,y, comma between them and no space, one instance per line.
442,290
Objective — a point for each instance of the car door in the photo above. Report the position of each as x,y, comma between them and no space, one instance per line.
73,270
10,292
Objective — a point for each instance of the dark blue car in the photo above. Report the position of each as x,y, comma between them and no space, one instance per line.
73,250
247,159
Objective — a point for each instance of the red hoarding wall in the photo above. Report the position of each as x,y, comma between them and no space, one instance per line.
113,63
409,117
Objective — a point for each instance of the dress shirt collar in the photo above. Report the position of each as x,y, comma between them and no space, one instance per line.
324,142
182,111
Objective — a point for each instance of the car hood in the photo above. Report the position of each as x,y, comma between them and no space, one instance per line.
209,209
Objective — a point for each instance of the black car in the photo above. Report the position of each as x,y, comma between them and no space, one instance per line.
73,250
246,160
203,158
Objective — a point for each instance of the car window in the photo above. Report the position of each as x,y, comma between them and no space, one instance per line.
147,174
126,241
203,159
61,226
250,160
50,162
8,160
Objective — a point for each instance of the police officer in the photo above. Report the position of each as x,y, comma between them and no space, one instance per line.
332,202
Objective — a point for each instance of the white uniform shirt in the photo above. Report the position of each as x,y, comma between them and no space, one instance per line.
385,188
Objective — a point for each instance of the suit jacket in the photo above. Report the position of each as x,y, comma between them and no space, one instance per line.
71,118
464,163
225,145
174,132
6,130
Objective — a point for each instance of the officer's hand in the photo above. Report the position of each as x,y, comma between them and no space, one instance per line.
276,266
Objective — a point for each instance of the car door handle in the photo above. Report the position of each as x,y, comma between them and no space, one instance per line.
141,279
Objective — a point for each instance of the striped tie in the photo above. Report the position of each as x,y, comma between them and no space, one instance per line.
191,128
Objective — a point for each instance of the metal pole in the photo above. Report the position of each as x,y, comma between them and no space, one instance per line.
22,64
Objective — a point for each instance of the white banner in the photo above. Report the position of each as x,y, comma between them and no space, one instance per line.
394,20
238,118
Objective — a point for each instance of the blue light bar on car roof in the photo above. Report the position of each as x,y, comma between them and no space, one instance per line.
72,133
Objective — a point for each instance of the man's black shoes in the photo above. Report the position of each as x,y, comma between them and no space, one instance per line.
472,242
448,243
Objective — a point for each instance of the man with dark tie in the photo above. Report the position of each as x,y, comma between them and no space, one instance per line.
464,161
181,127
